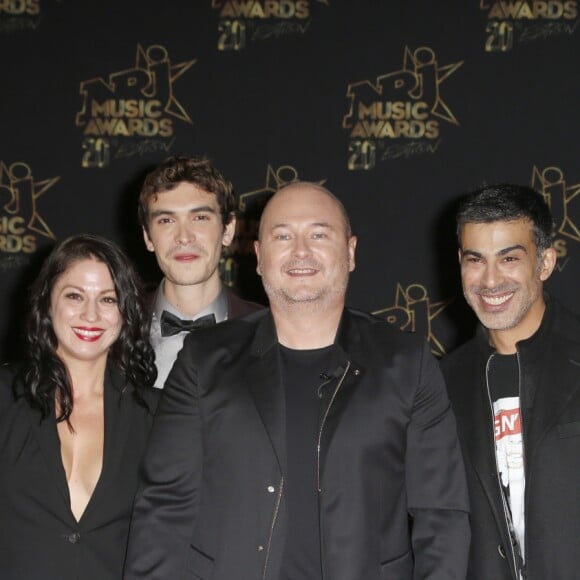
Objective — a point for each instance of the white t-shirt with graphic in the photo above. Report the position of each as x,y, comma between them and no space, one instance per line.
510,459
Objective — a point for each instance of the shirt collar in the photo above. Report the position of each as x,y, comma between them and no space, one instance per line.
219,307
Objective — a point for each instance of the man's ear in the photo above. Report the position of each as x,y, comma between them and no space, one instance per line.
257,250
229,231
148,242
351,252
547,263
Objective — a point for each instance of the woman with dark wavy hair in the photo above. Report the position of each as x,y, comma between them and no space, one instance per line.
74,418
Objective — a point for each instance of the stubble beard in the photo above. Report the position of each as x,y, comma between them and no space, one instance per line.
503,320
306,300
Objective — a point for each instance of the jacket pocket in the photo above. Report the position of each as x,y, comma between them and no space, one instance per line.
569,430
401,567
199,565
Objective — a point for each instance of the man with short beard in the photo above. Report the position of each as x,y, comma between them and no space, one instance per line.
305,442
515,389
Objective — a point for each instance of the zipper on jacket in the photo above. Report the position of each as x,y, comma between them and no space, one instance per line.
506,510
321,535
522,568
272,526
322,424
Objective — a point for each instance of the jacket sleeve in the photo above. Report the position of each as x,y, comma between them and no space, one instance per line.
167,502
436,484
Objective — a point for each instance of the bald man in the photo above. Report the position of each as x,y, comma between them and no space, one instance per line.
305,442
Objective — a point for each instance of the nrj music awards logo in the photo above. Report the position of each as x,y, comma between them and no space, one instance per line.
564,202
243,21
413,311
133,111
511,21
240,262
276,178
19,15
20,222
401,113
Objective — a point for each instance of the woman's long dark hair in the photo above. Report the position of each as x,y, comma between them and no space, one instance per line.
43,372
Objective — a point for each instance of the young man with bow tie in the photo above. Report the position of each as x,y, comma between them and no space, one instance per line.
187,211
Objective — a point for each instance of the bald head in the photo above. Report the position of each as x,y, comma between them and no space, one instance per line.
305,249
303,190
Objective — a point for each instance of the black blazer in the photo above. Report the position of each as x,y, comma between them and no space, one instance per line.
213,502
549,364
39,536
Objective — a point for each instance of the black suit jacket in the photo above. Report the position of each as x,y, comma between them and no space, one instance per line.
39,536
213,504
549,370
167,348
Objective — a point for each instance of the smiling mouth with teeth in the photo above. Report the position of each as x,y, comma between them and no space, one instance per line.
86,333
495,300
301,271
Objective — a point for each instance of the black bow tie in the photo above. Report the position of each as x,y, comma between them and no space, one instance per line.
171,324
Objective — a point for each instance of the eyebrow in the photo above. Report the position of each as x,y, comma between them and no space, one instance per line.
313,225
81,289
502,252
200,209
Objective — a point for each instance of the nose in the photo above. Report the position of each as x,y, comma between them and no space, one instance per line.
184,233
90,310
491,276
301,246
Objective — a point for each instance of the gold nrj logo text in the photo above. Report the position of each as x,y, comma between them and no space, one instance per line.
402,107
20,7
20,222
138,102
511,20
413,311
243,20
19,15
564,201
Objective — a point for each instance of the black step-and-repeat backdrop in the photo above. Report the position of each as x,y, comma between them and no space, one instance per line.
397,106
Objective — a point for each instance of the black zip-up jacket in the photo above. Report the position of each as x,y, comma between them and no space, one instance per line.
549,366
213,500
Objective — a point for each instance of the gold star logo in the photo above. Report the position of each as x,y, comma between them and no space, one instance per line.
560,197
413,311
420,79
23,192
275,179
